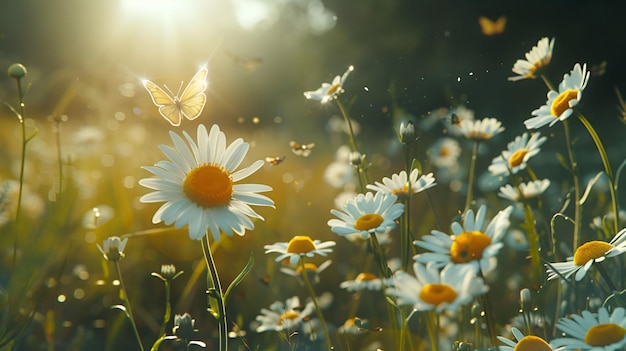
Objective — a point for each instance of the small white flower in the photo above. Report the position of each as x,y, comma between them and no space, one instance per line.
300,245
481,130
529,190
363,281
284,316
586,255
444,153
431,289
313,271
329,91
517,154
113,248
367,213
601,332
537,58
452,121
529,342
560,104
399,184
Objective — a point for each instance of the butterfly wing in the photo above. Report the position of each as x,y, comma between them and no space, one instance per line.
192,100
165,103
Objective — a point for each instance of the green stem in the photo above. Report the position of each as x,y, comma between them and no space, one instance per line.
405,238
574,169
470,182
168,308
128,308
607,278
22,167
346,118
219,296
491,323
318,311
431,325
607,167
58,141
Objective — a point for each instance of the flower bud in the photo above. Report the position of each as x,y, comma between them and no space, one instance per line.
525,300
17,71
407,133
183,326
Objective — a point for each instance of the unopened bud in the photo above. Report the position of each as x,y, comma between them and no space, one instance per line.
17,71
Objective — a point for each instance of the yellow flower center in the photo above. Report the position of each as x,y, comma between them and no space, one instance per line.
310,267
368,221
517,158
300,244
436,294
604,334
208,185
561,103
590,251
333,89
443,152
469,246
362,277
401,191
288,316
532,343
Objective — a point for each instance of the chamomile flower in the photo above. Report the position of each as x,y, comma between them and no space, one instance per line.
444,153
431,289
481,130
363,281
300,245
529,190
524,343
471,244
517,154
601,332
284,316
329,91
560,103
536,59
586,255
198,185
399,184
452,121
113,248
367,213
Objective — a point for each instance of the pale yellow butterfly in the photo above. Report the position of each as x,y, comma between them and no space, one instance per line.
189,104
490,27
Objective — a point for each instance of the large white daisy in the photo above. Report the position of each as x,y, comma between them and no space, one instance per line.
586,255
602,332
329,91
560,104
537,58
399,184
431,289
198,185
367,213
517,154
470,244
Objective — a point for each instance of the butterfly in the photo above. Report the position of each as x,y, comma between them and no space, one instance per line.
490,27
303,150
275,160
188,104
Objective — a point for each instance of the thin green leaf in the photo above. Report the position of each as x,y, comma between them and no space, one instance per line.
589,186
416,164
239,277
157,343
619,172
121,308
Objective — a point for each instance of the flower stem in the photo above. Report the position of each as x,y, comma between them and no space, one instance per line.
219,296
431,325
470,181
318,311
607,167
128,308
168,308
405,237
607,278
346,118
574,169
18,211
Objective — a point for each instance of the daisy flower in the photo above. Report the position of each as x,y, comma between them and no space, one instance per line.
528,342
329,91
537,58
517,154
529,190
313,271
113,248
452,121
298,246
284,316
444,153
399,185
481,130
367,213
586,255
560,104
198,185
363,281
470,244
431,289
603,332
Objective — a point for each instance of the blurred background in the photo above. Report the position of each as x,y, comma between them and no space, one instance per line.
413,60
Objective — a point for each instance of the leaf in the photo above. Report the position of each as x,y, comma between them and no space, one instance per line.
589,186
416,164
239,277
157,343
563,162
121,308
